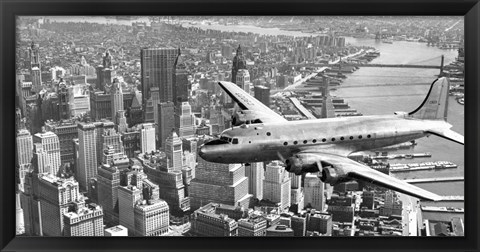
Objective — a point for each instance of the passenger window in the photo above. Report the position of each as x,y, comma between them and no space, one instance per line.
360,137
305,141
333,139
295,142
314,140
268,134
351,138
285,143
341,138
324,140
235,141
368,136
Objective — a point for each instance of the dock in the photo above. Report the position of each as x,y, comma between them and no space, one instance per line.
428,180
301,108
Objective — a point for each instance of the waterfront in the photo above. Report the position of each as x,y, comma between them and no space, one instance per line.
391,97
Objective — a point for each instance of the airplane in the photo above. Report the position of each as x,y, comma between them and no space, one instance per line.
323,145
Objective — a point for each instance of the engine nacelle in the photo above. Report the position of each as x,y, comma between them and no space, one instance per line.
333,176
302,163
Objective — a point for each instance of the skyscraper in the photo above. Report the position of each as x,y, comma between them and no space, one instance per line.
184,120
55,195
255,174
66,130
35,69
262,94
180,80
157,66
276,185
173,149
243,80
108,181
298,197
239,62
147,137
314,192
219,183
24,147
51,146
166,121
151,217
84,220
87,159
116,95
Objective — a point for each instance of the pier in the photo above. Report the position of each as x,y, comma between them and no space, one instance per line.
301,108
453,198
428,180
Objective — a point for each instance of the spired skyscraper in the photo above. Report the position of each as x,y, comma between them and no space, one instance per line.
117,98
180,80
157,71
35,70
239,62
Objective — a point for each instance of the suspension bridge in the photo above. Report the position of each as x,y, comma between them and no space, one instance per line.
340,63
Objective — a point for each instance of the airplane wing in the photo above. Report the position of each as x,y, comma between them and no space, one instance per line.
362,172
247,103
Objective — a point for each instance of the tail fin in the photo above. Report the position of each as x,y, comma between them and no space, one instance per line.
435,105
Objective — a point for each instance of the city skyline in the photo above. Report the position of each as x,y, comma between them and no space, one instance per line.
108,129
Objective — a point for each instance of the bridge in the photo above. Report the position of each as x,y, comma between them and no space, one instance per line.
371,65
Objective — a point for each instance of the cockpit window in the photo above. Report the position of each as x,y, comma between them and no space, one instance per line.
235,141
217,142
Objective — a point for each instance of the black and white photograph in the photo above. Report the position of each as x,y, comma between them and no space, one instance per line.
230,126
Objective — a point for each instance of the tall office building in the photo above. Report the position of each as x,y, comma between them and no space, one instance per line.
173,149
127,197
147,137
83,220
276,185
239,62
55,196
298,197
66,130
314,192
180,80
184,120
87,154
243,80
262,94
104,72
255,174
108,181
121,122
151,218
166,122
100,105
51,146
24,147
320,222
116,95
159,169
157,66
35,70
219,183
63,107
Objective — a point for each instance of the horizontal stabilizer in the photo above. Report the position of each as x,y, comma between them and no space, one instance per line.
448,134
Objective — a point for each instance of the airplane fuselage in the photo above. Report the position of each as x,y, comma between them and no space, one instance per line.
266,142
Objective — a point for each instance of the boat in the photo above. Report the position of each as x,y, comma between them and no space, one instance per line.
461,101
387,41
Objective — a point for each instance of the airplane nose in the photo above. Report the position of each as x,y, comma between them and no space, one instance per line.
202,151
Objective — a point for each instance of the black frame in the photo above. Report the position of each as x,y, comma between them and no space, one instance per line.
9,8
